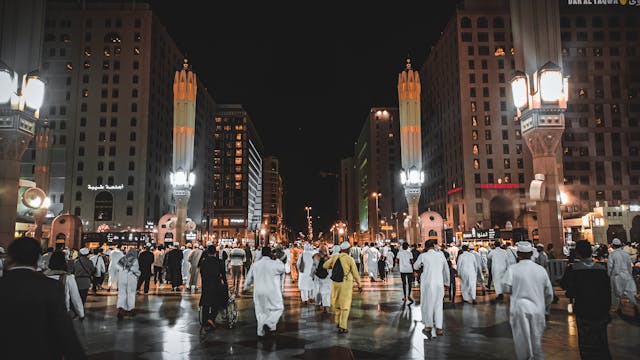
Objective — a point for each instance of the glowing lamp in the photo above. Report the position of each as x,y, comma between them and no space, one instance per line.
551,83
33,91
520,89
8,85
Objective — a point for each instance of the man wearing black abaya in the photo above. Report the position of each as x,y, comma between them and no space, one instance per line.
215,291
174,267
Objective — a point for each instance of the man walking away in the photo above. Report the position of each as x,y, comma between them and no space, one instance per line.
158,261
265,275
83,270
35,324
588,284
248,259
619,268
98,262
194,260
497,262
355,255
145,260
344,272
215,292
435,276
237,257
405,262
114,256
469,271
531,293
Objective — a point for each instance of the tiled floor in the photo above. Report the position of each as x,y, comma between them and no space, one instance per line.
167,327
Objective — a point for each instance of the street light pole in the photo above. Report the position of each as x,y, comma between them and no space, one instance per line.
377,195
309,227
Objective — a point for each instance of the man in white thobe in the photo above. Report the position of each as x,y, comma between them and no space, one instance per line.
266,276
186,265
531,294
497,262
305,278
194,260
373,255
622,284
453,251
365,258
469,272
435,276
114,257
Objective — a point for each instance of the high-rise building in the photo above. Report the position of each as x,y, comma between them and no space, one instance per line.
272,198
377,170
347,195
478,169
601,54
109,69
237,175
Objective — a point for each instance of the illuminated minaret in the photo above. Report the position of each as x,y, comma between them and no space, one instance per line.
185,89
411,175
41,175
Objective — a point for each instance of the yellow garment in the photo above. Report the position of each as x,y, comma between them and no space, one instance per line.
341,292
295,254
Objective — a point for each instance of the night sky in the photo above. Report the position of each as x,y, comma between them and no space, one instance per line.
306,80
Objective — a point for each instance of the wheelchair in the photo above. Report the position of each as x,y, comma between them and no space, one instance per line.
228,315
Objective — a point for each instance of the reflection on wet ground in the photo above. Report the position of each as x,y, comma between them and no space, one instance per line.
381,327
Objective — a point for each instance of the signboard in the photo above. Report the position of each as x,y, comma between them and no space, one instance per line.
105,187
190,236
386,227
116,237
489,234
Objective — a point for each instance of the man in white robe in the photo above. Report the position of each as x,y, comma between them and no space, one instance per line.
365,257
373,255
266,276
186,265
305,278
128,272
469,271
115,256
622,284
453,251
194,260
531,294
497,262
435,276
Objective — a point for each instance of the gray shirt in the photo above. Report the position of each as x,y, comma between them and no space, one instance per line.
83,269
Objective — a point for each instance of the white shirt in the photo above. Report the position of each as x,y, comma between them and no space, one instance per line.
71,294
404,259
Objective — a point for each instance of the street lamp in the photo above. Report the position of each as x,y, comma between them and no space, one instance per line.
540,101
20,102
309,227
377,195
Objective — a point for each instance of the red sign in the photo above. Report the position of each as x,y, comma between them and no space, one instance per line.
453,191
499,186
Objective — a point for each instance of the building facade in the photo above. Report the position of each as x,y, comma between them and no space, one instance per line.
237,175
110,69
347,194
272,199
377,171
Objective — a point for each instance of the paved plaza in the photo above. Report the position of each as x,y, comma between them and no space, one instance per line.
167,327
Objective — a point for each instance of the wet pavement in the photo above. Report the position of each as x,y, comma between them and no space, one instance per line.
166,327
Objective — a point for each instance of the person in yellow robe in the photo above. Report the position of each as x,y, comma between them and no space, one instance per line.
341,291
295,254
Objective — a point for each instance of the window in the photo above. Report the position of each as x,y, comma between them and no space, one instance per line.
79,180
476,178
472,78
489,163
479,208
485,78
507,164
473,106
83,122
136,50
134,107
581,22
520,163
132,166
483,50
475,149
136,65
100,150
520,178
114,122
133,122
486,106
105,65
498,22
474,135
505,149
81,151
472,92
135,79
488,149
132,136
487,120
465,23
485,91
116,79
482,22
469,50
466,37
76,211
132,151
112,166
112,136
474,121
129,211
483,37
134,93
487,134
472,65
130,180
130,195
476,164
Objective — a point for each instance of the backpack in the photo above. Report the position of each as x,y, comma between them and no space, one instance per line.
321,272
337,273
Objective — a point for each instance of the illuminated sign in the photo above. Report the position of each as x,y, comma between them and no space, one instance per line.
237,221
105,187
190,236
453,191
481,234
499,186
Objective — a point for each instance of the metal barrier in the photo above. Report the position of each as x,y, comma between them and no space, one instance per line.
556,268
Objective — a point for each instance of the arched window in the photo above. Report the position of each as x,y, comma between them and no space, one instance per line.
103,206
80,166
465,22
498,22
132,136
78,196
129,195
130,180
99,180
482,22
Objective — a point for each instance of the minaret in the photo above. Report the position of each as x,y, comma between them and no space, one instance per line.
412,175
42,176
185,89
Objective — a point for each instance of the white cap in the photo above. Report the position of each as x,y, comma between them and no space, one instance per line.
345,245
2,251
84,251
524,246
209,243
616,241
147,245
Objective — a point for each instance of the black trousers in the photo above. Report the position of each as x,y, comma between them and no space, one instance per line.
157,274
83,295
407,282
592,339
145,277
381,272
97,281
245,268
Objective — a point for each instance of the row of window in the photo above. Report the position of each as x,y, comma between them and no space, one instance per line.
112,151
66,23
77,211
486,106
111,164
598,51
598,36
484,64
598,21
506,163
99,181
110,180
491,179
114,122
489,149
482,22
485,78
482,36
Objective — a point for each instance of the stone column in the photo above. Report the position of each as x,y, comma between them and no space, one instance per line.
42,176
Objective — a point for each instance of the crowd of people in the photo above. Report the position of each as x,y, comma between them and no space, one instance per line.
596,278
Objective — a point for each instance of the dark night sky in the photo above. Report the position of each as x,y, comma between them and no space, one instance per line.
307,75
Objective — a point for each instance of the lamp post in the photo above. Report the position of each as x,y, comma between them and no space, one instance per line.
185,89
20,100
411,175
376,228
541,101
309,226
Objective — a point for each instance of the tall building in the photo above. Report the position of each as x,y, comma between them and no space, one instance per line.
237,175
377,168
109,69
272,198
477,167
601,54
347,195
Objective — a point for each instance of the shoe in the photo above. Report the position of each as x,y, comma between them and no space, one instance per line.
411,301
427,331
131,313
439,332
342,331
474,302
120,313
266,329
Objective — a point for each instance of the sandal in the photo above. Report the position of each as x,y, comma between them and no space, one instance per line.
342,331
